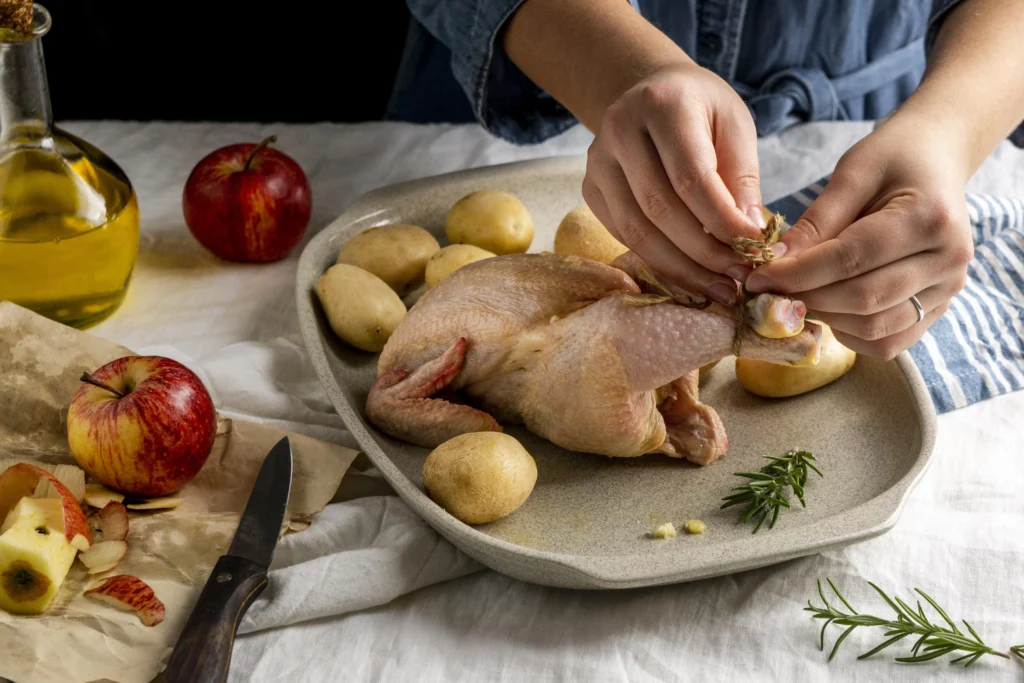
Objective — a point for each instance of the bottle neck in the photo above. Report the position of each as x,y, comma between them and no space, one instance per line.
24,96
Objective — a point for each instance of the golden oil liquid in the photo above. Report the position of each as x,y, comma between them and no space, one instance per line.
69,235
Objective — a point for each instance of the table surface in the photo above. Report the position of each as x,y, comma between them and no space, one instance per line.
369,593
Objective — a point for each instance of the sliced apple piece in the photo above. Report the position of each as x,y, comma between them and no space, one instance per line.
98,496
130,594
35,556
20,481
156,504
104,556
73,478
109,524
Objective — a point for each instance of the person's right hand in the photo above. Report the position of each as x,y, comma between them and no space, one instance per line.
673,174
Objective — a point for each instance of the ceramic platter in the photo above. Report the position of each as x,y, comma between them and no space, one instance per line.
586,523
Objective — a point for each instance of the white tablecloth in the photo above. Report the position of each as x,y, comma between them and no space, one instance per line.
348,586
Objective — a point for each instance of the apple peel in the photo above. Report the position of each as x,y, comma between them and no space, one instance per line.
98,496
104,556
156,504
110,523
130,594
21,480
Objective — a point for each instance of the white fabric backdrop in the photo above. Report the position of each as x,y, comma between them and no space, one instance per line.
346,585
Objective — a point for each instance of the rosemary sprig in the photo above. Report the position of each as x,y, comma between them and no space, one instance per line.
1018,651
933,640
765,493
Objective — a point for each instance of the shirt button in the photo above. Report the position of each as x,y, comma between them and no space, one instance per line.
710,44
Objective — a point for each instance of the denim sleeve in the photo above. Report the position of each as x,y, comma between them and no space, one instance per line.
940,10
504,100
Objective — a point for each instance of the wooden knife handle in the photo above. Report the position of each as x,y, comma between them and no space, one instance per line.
203,652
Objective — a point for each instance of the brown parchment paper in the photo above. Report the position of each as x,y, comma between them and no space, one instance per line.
78,639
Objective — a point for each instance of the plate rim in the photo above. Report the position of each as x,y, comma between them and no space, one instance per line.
883,511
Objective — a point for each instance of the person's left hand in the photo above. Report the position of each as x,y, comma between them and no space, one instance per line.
891,223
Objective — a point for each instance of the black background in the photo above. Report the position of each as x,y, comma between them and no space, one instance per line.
223,60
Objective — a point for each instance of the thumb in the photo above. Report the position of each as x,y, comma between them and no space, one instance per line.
736,148
835,209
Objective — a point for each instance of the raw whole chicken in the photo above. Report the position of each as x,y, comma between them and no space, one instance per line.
575,350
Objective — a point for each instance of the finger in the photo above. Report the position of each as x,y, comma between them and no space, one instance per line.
891,321
872,242
842,201
611,200
890,347
880,289
650,187
736,150
691,165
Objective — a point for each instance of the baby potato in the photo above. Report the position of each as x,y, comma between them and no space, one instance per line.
451,258
581,234
480,477
360,307
397,254
777,381
492,220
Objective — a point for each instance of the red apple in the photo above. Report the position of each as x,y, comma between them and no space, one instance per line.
248,202
142,425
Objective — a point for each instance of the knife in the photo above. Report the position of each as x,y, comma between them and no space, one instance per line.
203,652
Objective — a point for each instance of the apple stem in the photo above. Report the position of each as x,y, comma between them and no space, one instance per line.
89,379
252,154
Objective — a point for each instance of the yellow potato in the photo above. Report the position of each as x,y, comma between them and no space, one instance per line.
581,234
360,307
451,258
480,477
777,381
492,220
397,254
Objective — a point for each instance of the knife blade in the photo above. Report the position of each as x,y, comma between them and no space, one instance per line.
203,652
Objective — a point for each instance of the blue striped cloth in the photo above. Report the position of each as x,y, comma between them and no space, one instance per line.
976,350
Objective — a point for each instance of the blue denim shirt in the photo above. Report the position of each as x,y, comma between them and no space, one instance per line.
790,60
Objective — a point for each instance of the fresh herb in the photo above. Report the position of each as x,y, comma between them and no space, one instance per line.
765,493
1018,651
933,640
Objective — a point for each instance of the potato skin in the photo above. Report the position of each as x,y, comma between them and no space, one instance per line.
581,234
779,381
360,307
397,254
480,477
451,258
492,220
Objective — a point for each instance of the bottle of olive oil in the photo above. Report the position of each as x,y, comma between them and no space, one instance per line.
69,219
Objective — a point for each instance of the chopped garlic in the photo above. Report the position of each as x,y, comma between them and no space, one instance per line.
666,530
695,526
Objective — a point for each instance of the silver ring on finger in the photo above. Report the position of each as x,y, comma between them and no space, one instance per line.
920,309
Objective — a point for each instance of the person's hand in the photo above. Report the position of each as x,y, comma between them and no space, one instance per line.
673,174
891,223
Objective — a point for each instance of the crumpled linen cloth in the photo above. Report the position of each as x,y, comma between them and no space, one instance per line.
370,593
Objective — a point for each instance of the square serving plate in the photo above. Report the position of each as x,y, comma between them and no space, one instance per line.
586,523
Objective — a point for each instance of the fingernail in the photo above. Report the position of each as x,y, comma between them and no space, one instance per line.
754,212
723,293
779,249
758,282
738,272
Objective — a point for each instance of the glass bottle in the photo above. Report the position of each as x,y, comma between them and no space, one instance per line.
69,218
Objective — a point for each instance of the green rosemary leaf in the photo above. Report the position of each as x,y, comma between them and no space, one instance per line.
934,654
839,641
883,645
839,595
